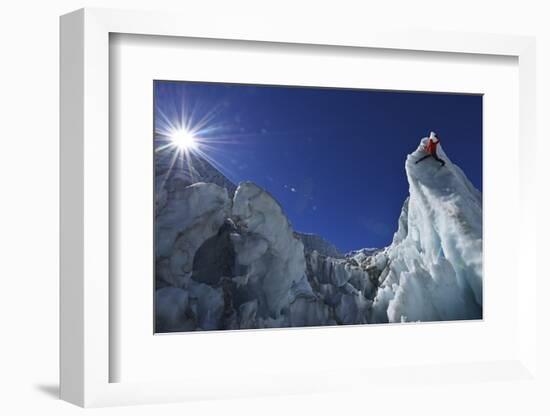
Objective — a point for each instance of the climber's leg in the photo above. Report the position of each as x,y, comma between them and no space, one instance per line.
422,158
438,159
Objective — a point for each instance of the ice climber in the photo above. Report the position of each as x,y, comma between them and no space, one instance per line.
431,149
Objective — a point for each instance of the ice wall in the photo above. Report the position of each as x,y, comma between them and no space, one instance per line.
228,258
434,269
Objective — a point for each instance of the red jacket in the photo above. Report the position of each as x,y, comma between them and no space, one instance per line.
431,146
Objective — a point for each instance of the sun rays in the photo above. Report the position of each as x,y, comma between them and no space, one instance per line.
188,137
183,140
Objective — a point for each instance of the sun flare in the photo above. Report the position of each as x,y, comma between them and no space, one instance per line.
183,139
186,137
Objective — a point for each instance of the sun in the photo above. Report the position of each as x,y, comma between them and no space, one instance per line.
183,139
188,135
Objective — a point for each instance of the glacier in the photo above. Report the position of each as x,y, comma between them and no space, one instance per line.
227,256
434,264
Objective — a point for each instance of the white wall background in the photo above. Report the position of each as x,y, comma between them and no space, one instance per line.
29,56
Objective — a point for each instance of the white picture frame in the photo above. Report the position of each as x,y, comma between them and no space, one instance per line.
85,216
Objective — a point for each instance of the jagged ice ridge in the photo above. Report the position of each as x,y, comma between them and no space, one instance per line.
228,258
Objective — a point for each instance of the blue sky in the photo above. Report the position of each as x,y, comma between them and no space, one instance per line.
333,158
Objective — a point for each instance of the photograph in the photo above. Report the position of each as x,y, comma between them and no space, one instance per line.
281,206
234,208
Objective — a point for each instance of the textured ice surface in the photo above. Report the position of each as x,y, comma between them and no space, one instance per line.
228,258
434,269
314,242
190,216
266,248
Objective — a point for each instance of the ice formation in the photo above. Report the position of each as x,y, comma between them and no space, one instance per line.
316,242
228,258
434,269
270,257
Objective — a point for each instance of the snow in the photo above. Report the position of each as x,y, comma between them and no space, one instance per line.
171,305
181,173
308,312
207,305
228,258
267,247
435,260
362,254
189,217
314,242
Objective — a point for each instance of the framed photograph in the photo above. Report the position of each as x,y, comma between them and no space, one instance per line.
235,209
286,206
